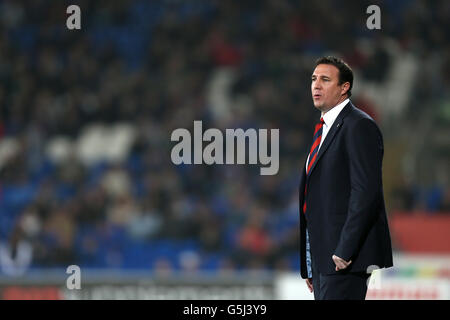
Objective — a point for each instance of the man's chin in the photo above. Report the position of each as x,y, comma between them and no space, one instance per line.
318,106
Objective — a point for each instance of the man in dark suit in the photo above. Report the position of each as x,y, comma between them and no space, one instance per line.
344,232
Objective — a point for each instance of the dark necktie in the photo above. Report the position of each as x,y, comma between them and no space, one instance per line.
313,153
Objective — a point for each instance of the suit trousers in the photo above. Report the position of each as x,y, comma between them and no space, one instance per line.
343,285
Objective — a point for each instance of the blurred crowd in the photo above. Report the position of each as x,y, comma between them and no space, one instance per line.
158,65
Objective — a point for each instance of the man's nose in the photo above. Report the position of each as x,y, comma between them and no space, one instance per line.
317,84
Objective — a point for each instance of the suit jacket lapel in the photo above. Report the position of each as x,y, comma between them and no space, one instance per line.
334,129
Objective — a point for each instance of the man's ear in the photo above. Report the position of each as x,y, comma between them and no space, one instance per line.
345,87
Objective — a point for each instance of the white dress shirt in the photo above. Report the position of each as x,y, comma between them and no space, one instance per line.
328,119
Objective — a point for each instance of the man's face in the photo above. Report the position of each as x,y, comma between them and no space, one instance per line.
325,88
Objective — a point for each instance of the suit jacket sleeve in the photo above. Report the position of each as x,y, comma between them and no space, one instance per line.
365,151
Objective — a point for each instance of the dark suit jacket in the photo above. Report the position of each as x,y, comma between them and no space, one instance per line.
345,213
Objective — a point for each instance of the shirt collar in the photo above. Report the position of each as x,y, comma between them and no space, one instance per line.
333,113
